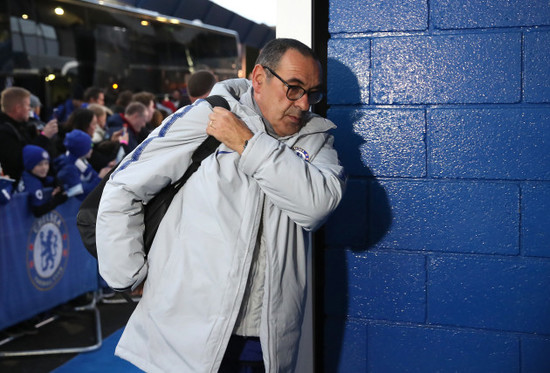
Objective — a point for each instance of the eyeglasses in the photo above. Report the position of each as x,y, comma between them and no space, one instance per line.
295,92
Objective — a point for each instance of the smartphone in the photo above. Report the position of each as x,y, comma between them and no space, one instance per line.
123,139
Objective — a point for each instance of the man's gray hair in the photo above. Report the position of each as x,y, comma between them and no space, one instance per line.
135,107
273,51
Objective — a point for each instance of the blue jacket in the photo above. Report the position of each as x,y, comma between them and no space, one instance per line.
41,200
64,110
76,174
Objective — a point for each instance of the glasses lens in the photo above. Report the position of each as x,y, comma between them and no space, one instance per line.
295,92
314,97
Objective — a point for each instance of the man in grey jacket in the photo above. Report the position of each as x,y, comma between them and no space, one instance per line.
226,274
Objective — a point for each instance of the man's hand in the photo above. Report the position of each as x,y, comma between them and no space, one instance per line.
116,135
50,129
228,129
57,190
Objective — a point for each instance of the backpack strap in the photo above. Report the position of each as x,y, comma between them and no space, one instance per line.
217,100
157,206
206,148
87,213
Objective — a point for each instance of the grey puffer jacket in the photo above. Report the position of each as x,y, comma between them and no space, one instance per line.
198,265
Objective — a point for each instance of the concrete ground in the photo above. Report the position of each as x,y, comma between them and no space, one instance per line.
69,329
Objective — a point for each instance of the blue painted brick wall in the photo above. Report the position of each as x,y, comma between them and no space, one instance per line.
467,14
450,216
381,285
535,207
349,81
537,67
396,348
496,293
384,145
347,224
447,69
503,143
382,15
438,258
535,354
349,348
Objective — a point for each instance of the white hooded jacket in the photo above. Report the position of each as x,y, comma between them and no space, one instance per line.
198,265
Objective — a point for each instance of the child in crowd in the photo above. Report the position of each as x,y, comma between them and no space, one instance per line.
6,187
35,180
74,171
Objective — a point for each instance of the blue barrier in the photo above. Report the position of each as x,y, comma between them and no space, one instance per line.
43,262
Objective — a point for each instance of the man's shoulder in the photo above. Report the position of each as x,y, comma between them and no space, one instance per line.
29,182
5,121
316,124
115,119
32,179
7,127
231,88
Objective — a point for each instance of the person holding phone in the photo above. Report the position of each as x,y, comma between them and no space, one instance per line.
134,120
16,131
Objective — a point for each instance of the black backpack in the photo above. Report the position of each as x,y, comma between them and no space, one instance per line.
155,209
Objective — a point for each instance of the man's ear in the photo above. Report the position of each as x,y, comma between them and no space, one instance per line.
258,78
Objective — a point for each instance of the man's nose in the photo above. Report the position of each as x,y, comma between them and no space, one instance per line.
303,102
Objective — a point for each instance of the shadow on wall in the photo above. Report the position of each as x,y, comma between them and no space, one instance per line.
362,219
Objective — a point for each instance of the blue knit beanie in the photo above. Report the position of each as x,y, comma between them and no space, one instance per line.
78,143
33,155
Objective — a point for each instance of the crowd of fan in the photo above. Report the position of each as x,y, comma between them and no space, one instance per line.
68,155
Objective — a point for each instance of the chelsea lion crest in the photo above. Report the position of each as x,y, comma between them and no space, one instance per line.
47,250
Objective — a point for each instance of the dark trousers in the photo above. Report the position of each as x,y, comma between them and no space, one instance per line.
243,355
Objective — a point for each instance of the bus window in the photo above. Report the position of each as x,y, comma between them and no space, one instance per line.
58,45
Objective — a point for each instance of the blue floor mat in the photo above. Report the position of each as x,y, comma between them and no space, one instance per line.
102,360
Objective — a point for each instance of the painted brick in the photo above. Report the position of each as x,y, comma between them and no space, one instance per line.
346,226
346,346
537,66
447,69
510,143
379,213
535,219
508,294
392,141
453,14
499,212
449,216
348,71
348,142
417,349
379,15
535,354
377,285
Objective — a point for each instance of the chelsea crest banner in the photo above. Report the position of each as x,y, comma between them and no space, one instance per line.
42,261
